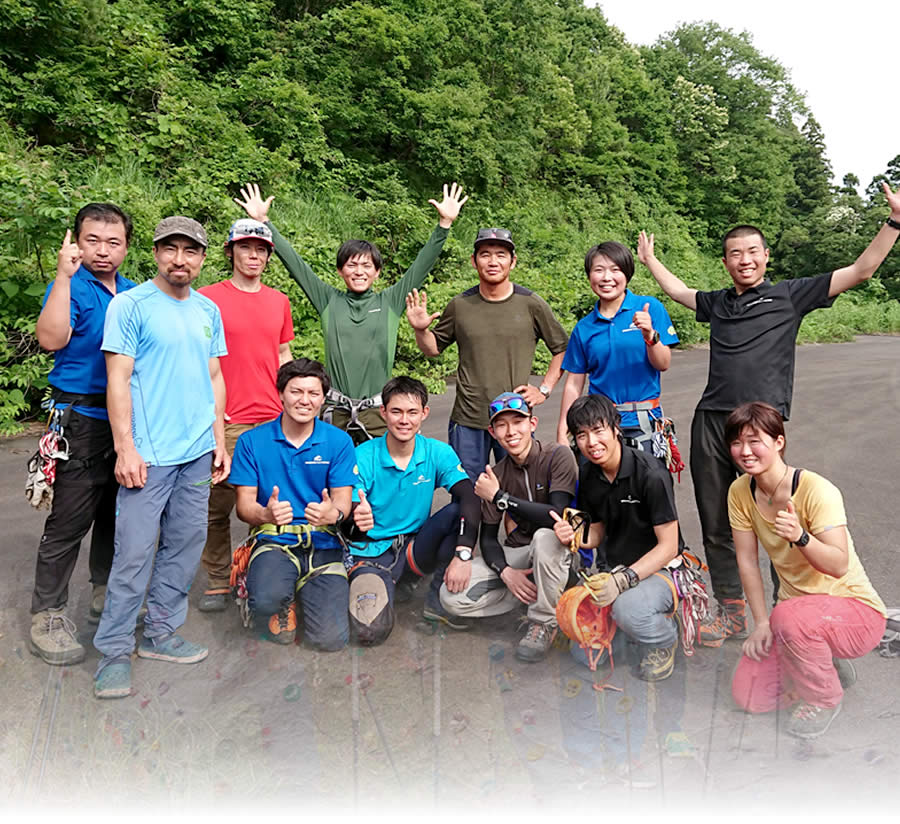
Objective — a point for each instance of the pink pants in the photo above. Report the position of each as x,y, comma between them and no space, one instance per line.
808,631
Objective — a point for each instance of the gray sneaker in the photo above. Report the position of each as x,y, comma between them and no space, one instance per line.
536,642
53,638
811,721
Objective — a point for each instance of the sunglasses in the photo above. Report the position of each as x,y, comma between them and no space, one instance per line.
514,404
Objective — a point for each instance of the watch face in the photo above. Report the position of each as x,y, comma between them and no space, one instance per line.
464,554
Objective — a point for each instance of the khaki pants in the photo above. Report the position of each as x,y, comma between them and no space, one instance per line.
487,594
216,558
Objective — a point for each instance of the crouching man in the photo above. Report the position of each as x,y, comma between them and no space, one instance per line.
532,566
293,477
394,536
630,501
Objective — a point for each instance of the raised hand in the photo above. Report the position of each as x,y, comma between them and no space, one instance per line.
322,513
518,583
69,258
644,322
280,513
893,199
253,204
787,524
449,207
362,513
417,311
487,485
645,248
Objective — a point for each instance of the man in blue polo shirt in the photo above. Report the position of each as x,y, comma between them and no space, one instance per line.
293,479
398,474
84,491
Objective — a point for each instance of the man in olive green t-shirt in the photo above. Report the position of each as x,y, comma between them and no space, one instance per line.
359,325
496,326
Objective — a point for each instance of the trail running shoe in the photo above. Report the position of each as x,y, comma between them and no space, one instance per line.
434,611
173,649
113,681
536,642
809,721
283,625
53,638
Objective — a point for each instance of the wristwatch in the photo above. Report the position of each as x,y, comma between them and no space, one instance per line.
654,338
501,501
803,540
545,390
630,574
894,224
464,554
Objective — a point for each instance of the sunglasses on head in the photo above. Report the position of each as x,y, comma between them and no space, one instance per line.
515,404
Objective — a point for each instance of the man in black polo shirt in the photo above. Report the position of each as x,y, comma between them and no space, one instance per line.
532,566
753,328
630,501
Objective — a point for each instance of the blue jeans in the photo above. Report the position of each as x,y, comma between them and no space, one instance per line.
320,585
175,500
474,447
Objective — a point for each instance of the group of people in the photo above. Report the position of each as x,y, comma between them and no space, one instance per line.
177,406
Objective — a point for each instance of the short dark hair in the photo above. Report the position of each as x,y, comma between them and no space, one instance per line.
352,248
759,417
404,385
302,368
106,212
744,230
590,410
617,252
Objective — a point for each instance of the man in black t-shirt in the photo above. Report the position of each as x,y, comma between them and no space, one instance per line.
753,327
631,504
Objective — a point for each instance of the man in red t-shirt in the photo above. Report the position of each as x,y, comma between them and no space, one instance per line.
258,332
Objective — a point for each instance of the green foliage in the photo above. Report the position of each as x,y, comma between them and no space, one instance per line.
353,112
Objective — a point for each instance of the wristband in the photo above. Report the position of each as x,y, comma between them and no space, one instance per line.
894,224
654,338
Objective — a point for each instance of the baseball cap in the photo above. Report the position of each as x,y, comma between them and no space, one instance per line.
248,229
180,225
496,235
509,402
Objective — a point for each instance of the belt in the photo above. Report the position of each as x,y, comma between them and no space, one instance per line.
303,531
638,406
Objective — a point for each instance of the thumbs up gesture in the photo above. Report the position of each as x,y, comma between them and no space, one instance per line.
487,485
280,513
787,524
362,513
321,513
643,322
562,529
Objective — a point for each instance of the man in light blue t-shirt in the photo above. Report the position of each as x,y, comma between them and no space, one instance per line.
397,476
166,401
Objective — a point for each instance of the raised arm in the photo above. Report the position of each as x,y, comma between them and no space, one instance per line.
674,287
866,264
53,329
420,320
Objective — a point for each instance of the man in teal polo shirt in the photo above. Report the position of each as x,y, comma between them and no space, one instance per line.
84,492
398,474
293,478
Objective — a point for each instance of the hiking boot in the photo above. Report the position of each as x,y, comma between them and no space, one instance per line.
214,600
283,625
730,622
172,648
53,638
536,642
114,680
809,721
98,599
657,664
434,611
846,671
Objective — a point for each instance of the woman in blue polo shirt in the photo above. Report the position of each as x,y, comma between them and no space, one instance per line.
623,345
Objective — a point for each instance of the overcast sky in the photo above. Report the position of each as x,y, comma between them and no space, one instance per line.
842,57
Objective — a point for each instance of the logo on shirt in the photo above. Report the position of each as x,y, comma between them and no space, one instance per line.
538,487
758,300
208,332
631,328
629,500
671,330
422,480
375,310
319,460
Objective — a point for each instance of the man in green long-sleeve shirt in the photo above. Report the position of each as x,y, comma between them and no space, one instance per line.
360,326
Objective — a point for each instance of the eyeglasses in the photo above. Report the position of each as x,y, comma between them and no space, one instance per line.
515,404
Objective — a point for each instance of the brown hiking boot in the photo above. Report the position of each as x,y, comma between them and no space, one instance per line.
730,622
53,638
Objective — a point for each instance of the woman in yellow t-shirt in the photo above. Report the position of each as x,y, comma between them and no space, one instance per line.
827,609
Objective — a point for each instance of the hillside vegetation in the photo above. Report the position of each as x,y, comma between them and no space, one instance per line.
353,113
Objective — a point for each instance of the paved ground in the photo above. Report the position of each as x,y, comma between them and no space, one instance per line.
452,723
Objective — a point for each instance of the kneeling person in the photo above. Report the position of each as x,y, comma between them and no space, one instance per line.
532,566
293,478
398,474
629,498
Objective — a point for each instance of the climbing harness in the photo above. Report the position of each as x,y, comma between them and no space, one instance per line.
659,431
353,406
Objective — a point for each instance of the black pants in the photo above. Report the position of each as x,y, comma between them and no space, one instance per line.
712,472
84,493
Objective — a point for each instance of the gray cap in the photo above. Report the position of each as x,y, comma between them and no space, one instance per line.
180,225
